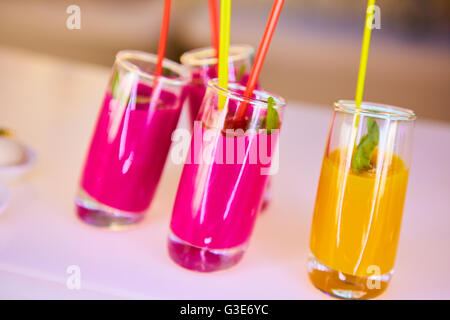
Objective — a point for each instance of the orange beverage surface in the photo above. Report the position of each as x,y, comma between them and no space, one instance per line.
357,216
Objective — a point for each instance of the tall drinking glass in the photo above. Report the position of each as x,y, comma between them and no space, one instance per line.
224,178
131,139
202,64
360,199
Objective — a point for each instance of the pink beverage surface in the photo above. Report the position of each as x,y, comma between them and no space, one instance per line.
199,82
216,204
129,148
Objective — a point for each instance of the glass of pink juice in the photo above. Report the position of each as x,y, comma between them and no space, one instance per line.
202,64
131,140
224,177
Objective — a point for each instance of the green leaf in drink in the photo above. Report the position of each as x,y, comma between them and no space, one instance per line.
272,118
117,92
115,84
166,72
366,146
240,73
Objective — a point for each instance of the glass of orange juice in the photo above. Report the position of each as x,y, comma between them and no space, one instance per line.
360,197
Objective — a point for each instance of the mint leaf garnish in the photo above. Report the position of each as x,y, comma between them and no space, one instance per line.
272,118
116,90
366,146
115,83
240,73
166,72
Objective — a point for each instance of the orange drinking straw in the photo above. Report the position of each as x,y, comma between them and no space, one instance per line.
214,21
163,37
260,56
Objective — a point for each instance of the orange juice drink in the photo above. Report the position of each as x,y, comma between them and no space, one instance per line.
358,210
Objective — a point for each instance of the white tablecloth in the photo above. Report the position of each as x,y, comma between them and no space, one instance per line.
52,106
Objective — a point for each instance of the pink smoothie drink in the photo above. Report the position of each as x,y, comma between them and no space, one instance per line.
224,177
129,148
216,204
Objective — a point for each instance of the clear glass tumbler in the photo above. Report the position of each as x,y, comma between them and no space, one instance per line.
131,140
202,64
224,178
360,197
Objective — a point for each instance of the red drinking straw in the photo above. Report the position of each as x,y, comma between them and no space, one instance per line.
163,37
161,53
214,21
260,56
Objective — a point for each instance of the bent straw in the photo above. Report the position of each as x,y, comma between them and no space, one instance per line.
260,56
163,37
225,16
214,24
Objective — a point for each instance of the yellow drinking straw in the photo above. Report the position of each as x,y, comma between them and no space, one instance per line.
364,53
224,44
362,71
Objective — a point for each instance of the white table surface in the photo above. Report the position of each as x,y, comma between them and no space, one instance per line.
52,106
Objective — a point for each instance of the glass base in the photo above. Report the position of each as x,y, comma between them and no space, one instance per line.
202,259
93,212
344,286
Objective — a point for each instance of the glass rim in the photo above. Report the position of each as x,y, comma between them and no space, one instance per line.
206,56
232,93
375,110
123,56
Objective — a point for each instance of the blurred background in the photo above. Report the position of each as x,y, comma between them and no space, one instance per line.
314,54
